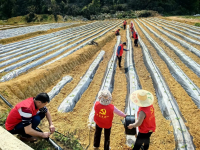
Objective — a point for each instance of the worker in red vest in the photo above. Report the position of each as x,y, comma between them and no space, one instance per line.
146,118
117,32
104,113
132,30
24,118
135,36
124,24
131,23
120,50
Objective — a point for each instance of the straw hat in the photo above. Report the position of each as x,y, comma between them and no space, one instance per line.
105,97
142,98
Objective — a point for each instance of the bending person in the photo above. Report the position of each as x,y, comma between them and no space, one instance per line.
104,113
24,118
117,32
146,118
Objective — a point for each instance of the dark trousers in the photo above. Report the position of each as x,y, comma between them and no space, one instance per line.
19,128
124,27
142,138
119,61
136,42
97,137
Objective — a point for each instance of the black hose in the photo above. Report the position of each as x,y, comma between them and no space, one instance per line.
56,146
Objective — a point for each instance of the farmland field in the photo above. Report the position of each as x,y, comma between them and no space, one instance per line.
166,63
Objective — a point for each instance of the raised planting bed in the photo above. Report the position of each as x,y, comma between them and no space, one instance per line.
173,26
133,85
56,89
195,67
167,102
175,70
40,61
24,30
70,101
108,80
183,43
59,43
179,34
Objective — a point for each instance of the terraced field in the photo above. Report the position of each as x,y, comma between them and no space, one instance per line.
166,63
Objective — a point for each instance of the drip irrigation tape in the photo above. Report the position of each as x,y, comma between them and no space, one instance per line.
56,146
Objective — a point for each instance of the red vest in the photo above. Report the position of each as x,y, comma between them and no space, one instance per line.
149,122
116,31
14,117
124,23
135,36
103,115
121,50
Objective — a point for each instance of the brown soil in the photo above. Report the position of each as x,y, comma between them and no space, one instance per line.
187,107
44,79
182,20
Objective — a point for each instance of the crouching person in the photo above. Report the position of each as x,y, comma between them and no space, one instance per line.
146,118
26,116
104,112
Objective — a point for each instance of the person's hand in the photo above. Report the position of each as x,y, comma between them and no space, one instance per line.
45,134
130,126
52,128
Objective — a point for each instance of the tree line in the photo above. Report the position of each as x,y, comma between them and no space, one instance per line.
13,8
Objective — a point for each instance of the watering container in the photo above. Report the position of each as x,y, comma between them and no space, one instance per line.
129,119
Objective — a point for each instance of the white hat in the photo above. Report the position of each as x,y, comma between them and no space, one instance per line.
142,98
105,97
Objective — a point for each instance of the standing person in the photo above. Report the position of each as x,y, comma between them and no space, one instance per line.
146,118
124,24
120,50
132,30
131,24
135,36
104,113
117,32
26,116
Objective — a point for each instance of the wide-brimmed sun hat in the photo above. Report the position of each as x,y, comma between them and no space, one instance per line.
105,97
142,98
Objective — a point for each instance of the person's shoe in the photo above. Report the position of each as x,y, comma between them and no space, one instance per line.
96,148
30,139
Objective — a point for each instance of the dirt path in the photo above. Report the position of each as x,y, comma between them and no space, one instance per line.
187,107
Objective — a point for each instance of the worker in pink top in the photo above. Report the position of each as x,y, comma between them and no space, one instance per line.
146,118
104,113
124,24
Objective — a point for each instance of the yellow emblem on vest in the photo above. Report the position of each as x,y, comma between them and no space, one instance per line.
151,109
102,112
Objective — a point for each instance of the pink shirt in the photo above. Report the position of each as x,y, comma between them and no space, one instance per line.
118,112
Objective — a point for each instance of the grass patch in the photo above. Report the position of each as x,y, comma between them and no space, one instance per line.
68,140
197,24
3,117
191,17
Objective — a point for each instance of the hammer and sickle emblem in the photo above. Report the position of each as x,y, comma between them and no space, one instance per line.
102,112
151,109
